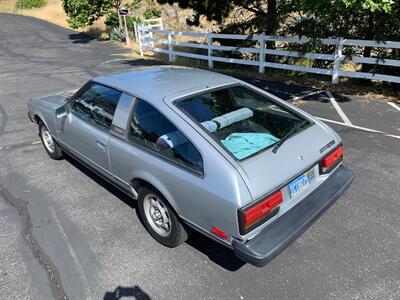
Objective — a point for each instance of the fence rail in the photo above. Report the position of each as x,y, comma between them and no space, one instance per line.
148,42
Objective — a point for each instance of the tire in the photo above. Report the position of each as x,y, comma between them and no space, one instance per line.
155,213
53,150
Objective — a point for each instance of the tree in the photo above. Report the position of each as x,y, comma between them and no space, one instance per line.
352,19
236,16
82,13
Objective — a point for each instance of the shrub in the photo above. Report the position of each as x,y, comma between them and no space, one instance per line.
21,4
112,20
117,34
151,11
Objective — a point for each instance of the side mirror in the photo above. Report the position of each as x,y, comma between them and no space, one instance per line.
61,112
64,110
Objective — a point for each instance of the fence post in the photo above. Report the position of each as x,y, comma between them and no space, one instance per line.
337,61
136,31
139,37
170,47
209,48
261,65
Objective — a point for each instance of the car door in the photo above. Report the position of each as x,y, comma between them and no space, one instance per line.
86,128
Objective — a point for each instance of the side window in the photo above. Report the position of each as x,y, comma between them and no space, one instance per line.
97,104
151,129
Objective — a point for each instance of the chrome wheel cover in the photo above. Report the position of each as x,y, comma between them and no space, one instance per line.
157,214
47,139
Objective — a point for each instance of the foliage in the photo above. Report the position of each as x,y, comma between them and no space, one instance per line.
112,20
342,19
134,5
117,34
24,4
151,10
236,16
353,19
366,5
82,13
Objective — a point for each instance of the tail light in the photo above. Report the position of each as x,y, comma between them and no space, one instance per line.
256,214
331,160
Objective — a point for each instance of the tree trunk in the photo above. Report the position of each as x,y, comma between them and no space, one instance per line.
271,17
271,25
370,35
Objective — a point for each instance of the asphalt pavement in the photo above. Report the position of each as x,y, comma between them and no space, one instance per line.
64,232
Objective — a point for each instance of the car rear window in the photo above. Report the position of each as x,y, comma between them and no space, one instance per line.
242,120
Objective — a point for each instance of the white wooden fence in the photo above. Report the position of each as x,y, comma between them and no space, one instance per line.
147,41
149,24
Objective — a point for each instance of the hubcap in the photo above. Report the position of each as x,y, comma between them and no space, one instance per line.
47,140
157,214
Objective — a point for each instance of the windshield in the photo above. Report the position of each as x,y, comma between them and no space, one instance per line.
243,121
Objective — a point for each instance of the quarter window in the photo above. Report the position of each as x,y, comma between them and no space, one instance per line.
97,104
152,130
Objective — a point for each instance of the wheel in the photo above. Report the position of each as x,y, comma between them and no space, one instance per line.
51,147
159,219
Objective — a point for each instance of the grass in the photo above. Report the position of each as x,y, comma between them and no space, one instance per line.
7,5
53,12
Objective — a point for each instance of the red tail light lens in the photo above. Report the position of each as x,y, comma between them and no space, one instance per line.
260,212
331,160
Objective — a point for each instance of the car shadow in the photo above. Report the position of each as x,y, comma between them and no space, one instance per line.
127,292
142,62
80,38
102,182
217,253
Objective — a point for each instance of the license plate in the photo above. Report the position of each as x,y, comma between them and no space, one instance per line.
298,185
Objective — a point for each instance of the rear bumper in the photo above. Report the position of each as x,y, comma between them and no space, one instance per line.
280,234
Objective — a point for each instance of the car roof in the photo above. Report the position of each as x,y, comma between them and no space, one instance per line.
155,83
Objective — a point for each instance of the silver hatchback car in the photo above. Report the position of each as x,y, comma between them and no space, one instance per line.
200,150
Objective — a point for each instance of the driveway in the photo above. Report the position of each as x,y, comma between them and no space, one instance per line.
65,233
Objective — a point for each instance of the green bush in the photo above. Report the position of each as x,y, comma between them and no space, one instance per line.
117,34
151,11
112,20
20,4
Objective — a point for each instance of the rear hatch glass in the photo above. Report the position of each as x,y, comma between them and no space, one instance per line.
243,121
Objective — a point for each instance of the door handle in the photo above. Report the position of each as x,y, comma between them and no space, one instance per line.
101,145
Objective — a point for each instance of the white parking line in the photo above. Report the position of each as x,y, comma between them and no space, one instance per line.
394,105
359,128
338,109
393,136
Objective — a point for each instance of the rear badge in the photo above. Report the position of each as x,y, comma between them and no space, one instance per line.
331,143
301,157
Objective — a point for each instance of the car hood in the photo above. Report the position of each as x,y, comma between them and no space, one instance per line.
55,100
267,171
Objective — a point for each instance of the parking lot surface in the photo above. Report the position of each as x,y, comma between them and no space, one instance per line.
64,232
